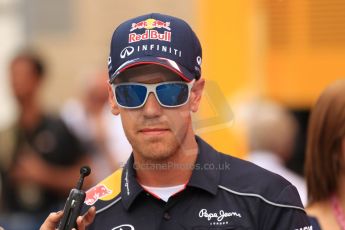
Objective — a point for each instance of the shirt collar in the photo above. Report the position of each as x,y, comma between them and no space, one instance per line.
130,188
205,175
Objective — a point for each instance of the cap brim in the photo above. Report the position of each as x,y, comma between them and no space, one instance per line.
167,63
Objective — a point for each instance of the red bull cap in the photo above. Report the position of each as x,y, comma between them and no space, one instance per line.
155,39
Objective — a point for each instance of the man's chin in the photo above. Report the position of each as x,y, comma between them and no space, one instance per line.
158,148
156,155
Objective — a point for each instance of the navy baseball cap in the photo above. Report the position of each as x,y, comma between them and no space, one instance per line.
155,39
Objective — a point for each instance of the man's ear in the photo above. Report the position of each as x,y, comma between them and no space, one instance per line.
111,99
196,93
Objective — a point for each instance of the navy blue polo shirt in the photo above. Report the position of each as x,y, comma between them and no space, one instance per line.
223,192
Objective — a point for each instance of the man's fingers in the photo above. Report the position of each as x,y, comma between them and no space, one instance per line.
51,221
87,219
90,215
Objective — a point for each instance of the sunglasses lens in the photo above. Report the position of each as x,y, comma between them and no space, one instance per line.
172,94
130,95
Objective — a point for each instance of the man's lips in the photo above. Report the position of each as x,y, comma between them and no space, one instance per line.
153,131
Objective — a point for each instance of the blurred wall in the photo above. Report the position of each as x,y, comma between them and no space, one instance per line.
11,36
286,50
232,60
305,48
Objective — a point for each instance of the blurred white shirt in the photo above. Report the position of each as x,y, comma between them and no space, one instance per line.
74,115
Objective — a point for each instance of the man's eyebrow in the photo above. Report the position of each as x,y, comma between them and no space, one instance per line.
121,78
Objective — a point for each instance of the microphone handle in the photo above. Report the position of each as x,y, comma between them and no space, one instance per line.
72,209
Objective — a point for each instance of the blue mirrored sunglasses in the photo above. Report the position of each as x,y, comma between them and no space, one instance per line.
168,94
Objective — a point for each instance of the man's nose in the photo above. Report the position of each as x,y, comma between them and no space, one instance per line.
152,107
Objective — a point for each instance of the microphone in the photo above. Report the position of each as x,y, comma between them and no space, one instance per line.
84,172
74,202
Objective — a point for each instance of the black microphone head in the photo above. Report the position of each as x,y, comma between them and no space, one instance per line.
85,170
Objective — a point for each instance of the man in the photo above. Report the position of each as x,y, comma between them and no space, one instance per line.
90,119
173,179
38,154
272,132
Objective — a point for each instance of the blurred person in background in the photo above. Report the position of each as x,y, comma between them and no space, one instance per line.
272,132
92,122
325,159
39,156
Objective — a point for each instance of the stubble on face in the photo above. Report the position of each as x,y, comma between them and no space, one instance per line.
163,146
155,133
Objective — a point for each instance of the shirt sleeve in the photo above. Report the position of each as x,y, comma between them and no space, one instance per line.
286,212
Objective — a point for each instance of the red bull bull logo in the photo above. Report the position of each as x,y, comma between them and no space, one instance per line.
96,193
150,33
150,24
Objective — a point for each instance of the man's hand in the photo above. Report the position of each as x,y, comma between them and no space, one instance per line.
83,221
52,221
87,219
